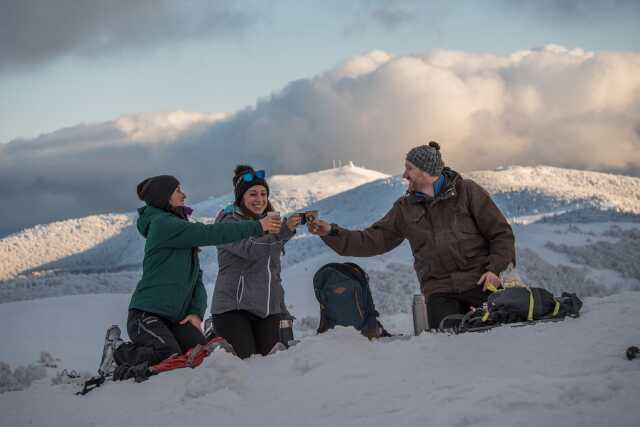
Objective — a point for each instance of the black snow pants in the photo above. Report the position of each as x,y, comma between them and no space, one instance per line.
155,338
440,305
248,333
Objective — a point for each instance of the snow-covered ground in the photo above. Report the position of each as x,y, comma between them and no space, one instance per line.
576,231
571,373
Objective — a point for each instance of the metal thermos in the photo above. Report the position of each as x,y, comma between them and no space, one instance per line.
286,332
420,319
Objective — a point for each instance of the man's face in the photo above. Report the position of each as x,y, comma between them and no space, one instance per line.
416,177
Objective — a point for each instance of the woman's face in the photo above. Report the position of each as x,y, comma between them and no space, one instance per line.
256,199
177,198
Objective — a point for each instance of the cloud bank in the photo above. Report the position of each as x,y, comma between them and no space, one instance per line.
34,32
553,106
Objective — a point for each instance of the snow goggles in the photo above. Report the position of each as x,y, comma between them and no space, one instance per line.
250,176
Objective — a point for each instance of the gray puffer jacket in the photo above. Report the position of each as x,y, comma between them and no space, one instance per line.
249,272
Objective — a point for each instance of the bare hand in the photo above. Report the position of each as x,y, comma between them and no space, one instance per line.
319,227
271,224
293,221
490,282
194,319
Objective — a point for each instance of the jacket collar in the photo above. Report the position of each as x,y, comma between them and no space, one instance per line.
447,190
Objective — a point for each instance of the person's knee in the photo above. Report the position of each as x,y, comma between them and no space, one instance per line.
167,350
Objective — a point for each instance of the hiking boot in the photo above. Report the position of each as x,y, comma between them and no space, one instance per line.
219,342
111,341
277,347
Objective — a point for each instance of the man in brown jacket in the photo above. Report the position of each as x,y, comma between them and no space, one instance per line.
460,240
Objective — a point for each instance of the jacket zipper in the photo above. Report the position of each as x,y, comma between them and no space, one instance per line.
268,284
355,296
240,290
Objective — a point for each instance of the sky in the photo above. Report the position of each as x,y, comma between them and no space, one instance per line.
94,96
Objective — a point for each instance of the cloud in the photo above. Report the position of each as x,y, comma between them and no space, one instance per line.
393,16
34,32
576,11
554,106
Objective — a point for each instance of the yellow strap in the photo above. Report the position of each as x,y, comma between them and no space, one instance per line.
556,309
491,287
530,315
485,316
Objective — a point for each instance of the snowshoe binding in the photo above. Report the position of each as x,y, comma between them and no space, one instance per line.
209,333
111,341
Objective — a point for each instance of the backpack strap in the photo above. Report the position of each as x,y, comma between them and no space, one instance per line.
531,305
358,272
323,326
556,308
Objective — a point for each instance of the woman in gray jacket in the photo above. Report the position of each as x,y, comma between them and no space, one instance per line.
248,300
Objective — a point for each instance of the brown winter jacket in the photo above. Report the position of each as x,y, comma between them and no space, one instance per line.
455,238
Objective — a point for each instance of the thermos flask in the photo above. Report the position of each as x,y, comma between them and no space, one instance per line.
420,319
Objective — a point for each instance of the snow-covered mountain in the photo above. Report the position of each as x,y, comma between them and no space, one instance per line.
108,243
554,212
576,231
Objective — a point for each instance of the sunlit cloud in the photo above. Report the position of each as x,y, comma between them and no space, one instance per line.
554,106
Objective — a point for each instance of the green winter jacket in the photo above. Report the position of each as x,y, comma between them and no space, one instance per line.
171,284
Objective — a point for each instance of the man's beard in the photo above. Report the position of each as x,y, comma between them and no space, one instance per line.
411,186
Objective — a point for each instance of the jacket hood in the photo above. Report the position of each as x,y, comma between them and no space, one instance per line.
146,215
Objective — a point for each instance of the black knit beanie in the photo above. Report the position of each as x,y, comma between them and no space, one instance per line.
157,190
241,186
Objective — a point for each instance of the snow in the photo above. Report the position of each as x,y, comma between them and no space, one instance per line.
576,231
568,373
616,193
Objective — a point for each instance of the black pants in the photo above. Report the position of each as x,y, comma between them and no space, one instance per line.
248,333
154,338
443,304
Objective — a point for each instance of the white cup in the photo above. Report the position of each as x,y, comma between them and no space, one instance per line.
273,215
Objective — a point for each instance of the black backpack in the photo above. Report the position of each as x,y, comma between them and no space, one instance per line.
342,289
522,304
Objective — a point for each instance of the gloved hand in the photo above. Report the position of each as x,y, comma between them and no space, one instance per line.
140,372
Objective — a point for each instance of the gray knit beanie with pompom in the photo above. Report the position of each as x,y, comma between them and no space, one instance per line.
427,158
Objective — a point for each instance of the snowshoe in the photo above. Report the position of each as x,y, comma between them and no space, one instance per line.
209,333
451,323
111,341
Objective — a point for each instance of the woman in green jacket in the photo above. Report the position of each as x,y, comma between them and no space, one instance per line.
169,302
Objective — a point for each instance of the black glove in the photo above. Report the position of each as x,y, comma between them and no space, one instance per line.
140,372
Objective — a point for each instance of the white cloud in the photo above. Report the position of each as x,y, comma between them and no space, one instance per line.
153,127
555,106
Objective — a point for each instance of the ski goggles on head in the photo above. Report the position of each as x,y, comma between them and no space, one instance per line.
250,176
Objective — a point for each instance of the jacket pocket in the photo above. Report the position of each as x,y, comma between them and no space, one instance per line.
472,243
